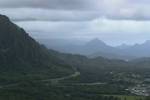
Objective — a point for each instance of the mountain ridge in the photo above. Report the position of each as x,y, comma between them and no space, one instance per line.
96,47
22,58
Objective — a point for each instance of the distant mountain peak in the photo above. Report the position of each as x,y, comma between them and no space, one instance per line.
147,41
96,42
123,46
96,39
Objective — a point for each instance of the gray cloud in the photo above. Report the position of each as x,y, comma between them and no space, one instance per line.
49,4
30,14
75,10
107,30
81,18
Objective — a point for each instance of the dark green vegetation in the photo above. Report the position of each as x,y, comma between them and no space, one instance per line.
101,70
124,97
22,58
29,71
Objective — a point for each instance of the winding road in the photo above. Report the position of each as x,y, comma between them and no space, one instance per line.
56,80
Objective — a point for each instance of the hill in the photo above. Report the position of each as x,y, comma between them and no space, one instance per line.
22,58
138,50
29,71
93,48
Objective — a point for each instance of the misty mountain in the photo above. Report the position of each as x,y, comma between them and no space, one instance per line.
93,48
123,46
25,65
22,58
96,47
139,50
99,48
76,47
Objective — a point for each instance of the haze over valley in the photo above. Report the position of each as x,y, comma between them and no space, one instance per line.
97,47
74,50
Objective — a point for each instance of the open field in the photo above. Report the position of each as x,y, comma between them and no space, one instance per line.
126,97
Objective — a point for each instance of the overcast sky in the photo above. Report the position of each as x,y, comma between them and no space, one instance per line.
114,21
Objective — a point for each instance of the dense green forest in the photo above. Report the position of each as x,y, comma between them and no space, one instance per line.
29,71
22,58
102,69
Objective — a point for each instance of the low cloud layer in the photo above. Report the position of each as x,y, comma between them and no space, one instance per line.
28,14
107,19
51,4
108,30
111,9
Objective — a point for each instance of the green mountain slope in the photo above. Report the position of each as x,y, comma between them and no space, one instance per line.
93,69
100,69
22,58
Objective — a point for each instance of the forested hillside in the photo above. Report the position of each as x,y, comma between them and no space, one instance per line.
29,71
22,58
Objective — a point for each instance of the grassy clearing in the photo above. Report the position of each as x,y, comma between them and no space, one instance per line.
55,81
126,97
